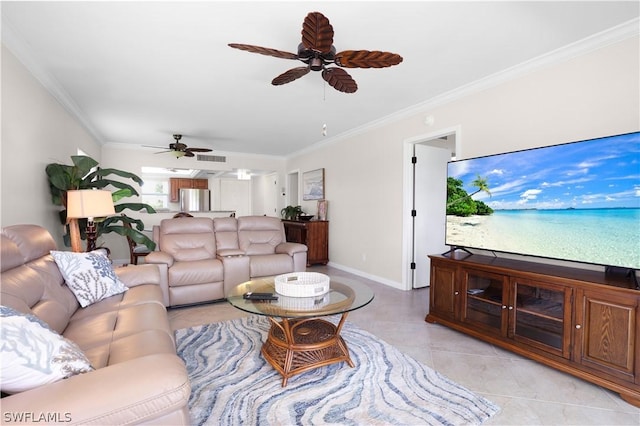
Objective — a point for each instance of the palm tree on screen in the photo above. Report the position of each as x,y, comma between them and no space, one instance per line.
482,184
455,187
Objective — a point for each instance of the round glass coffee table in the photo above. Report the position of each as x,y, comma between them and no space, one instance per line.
299,339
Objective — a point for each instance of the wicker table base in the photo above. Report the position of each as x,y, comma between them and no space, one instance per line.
294,346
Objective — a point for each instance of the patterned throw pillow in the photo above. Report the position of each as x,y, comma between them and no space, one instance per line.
90,276
32,355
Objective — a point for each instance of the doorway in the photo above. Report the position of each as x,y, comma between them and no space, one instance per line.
265,195
293,198
425,196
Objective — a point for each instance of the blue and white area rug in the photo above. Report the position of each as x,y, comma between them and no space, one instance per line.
232,384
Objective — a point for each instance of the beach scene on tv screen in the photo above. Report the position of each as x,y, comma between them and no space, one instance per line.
577,201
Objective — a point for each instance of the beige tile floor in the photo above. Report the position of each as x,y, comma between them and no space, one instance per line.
527,392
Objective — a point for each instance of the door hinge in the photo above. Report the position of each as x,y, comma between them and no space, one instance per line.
414,213
414,159
413,265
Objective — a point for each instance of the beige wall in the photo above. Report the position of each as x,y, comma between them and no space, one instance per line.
592,95
36,131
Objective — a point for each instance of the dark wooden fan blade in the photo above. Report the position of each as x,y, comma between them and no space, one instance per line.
289,76
317,32
340,80
367,59
264,51
198,150
188,153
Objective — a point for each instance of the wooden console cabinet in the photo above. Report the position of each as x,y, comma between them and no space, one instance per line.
577,321
314,234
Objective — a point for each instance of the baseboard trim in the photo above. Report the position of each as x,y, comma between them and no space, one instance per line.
368,276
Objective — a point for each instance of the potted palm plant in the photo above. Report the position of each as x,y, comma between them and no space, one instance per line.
85,173
291,212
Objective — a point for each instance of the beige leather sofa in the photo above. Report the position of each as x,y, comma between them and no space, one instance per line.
138,377
205,258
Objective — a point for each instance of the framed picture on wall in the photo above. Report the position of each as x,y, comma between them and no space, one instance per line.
313,185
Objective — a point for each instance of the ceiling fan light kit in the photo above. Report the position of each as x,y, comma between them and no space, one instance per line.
318,52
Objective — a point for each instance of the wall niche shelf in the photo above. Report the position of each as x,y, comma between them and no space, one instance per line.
581,322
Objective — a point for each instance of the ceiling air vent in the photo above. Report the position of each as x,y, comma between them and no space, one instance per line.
212,158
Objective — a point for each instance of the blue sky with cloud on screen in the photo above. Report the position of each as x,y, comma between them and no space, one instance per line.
600,173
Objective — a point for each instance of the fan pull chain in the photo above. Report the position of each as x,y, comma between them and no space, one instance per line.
324,99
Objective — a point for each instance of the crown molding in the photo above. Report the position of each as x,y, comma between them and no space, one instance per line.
13,41
589,44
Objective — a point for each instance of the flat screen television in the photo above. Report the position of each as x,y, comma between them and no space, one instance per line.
578,201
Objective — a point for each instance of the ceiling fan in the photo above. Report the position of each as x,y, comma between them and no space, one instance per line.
181,150
317,51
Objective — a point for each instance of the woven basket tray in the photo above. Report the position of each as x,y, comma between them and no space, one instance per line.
303,303
302,284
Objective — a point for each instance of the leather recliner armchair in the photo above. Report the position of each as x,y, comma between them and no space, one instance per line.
187,246
262,238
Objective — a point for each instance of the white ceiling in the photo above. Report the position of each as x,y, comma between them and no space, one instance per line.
137,72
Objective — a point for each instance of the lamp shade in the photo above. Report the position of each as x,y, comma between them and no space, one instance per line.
89,203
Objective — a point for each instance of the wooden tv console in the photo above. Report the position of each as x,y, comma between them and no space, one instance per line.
577,321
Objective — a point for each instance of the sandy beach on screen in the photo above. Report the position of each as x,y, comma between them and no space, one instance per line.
553,234
470,228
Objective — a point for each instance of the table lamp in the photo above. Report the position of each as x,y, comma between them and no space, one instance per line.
88,203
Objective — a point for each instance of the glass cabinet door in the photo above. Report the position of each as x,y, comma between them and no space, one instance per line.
540,315
484,300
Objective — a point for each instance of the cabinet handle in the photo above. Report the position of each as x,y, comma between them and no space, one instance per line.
511,308
578,326
504,306
456,293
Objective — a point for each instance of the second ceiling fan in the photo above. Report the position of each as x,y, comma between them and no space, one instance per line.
180,149
317,51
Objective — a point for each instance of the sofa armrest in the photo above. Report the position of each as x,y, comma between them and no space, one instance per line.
237,270
135,391
229,252
134,275
163,261
159,257
290,248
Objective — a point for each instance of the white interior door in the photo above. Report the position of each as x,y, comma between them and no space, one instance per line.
292,191
430,198
271,196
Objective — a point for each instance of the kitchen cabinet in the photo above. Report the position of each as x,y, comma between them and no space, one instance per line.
176,184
